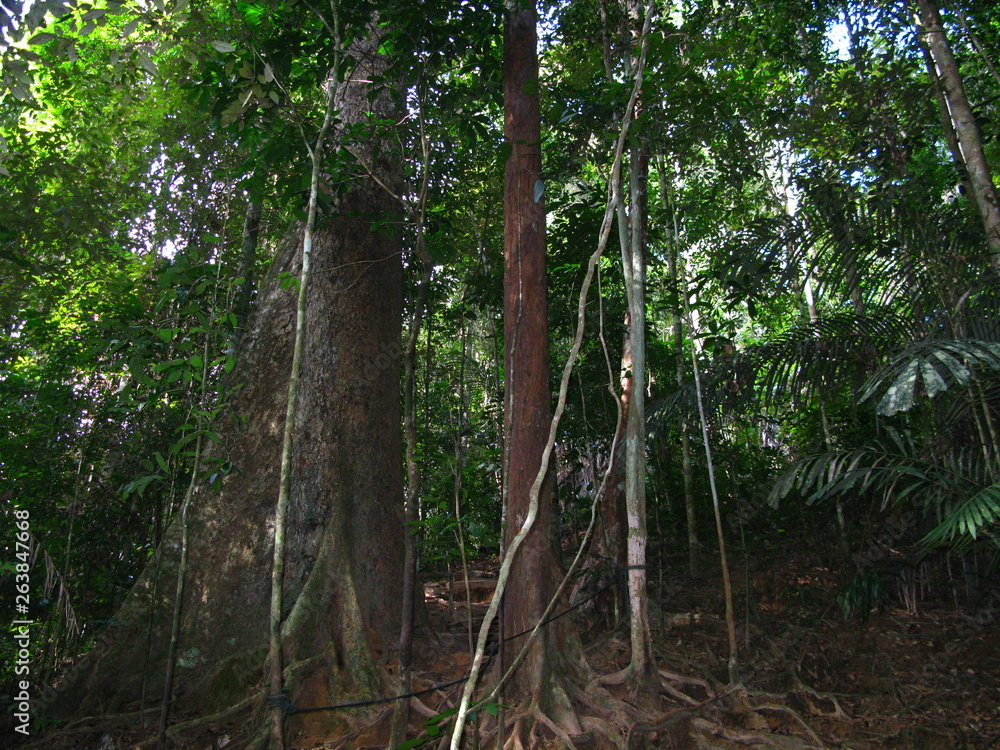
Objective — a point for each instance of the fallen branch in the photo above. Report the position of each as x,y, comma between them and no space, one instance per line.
795,715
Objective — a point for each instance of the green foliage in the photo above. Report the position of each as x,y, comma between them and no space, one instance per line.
936,365
435,726
132,138
967,519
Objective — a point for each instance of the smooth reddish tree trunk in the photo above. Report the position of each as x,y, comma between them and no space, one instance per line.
526,346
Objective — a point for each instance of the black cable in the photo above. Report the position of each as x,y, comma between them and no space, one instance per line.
290,709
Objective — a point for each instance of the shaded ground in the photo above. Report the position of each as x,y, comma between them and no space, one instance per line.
928,678
925,677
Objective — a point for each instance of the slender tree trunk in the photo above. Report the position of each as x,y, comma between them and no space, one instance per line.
642,663
966,128
677,328
412,498
723,558
248,264
942,104
196,468
549,699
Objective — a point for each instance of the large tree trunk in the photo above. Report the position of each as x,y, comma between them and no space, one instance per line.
526,349
345,534
966,128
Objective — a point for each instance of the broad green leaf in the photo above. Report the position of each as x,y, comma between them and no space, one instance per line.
933,382
147,62
958,371
899,397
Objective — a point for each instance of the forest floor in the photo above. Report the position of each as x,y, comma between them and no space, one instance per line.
923,677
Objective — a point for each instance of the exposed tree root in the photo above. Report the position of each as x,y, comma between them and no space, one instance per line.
173,732
77,727
422,708
127,724
685,680
677,694
615,678
596,724
514,741
837,713
665,725
606,707
52,740
621,725
542,718
525,727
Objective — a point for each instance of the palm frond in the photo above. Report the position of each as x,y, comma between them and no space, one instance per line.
830,349
931,368
894,467
959,483
981,313
967,519
764,257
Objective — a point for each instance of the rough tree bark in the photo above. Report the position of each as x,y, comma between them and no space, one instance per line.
345,530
